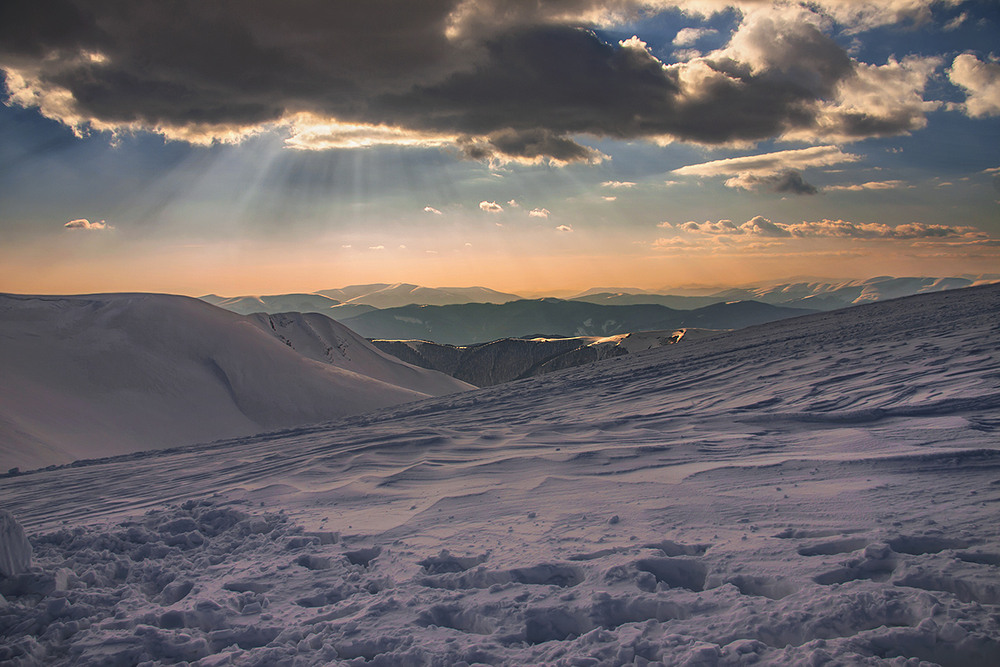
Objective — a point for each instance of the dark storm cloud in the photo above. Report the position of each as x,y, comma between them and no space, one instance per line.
515,78
791,182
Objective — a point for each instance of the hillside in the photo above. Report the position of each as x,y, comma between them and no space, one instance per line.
97,375
510,359
472,323
820,490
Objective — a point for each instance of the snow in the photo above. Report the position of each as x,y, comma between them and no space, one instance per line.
100,375
814,491
15,551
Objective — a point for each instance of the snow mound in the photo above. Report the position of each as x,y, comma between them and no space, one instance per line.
100,375
15,551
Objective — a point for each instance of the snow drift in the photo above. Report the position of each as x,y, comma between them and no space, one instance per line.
90,376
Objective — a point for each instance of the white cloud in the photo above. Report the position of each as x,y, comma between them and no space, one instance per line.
981,81
709,227
376,247
609,198
539,213
618,184
761,226
957,21
665,225
870,185
83,223
688,36
315,133
431,209
490,207
770,164
564,228
874,100
513,203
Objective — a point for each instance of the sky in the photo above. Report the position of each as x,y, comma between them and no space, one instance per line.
264,146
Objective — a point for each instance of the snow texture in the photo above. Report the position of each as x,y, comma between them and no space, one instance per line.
814,491
98,375
15,550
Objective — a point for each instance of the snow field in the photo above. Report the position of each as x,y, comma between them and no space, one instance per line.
816,491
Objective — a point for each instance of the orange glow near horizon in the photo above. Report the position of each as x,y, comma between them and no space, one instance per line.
232,269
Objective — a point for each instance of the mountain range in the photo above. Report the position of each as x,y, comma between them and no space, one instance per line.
508,359
354,300
467,324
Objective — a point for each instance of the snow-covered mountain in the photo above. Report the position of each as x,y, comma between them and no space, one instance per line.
97,375
510,359
819,490
382,295
816,295
833,295
287,303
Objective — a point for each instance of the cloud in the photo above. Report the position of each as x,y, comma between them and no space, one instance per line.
609,198
539,213
769,164
981,82
431,209
778,171
83,223
873,101
870,185
618,184
308,131
564,228
761,226
671,243
688,36
501,81
490,207
787,182
708,227
376,247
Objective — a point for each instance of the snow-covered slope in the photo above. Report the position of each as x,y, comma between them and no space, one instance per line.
815,491
97,375
509,359
320,338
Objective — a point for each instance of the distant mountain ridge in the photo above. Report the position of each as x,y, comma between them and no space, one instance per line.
818,295
287,303
510,359
353,300
383,295
467,324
